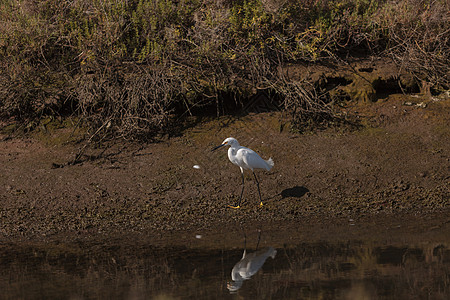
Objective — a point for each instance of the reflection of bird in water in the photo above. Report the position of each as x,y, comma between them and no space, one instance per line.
248,266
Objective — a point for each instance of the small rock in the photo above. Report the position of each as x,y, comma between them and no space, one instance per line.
421,105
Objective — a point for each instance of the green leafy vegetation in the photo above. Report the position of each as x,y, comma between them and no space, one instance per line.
133,67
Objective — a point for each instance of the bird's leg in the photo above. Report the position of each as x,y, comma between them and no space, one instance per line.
259,192
242,192
259,238
245,247
245,241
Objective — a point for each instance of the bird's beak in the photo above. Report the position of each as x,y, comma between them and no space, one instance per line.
215,148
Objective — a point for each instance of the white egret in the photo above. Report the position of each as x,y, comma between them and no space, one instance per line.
246,159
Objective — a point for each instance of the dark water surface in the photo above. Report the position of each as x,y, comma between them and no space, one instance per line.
319,270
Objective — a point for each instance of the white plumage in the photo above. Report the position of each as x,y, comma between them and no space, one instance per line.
245,159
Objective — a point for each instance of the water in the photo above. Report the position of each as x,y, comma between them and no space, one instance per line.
319,270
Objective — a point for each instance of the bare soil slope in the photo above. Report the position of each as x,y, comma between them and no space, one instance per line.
396,166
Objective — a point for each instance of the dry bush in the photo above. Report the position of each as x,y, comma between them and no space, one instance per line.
131,67
129,101
308,109
419,33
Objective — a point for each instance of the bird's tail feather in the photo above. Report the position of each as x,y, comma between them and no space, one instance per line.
269,163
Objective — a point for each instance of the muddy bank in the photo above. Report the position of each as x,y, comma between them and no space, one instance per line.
396,165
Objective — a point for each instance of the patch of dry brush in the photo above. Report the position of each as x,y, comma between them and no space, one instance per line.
133,67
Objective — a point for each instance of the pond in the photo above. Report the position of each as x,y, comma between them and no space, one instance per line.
348,269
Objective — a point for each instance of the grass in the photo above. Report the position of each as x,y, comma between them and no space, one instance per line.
133,68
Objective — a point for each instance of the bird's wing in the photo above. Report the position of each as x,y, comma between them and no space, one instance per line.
252,159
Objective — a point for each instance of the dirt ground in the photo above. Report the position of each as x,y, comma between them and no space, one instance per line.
392,172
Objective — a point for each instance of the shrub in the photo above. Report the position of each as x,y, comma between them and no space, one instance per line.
137,64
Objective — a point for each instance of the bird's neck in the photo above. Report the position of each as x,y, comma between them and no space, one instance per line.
232,151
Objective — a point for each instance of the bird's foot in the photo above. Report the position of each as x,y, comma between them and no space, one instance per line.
261,204
231,206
